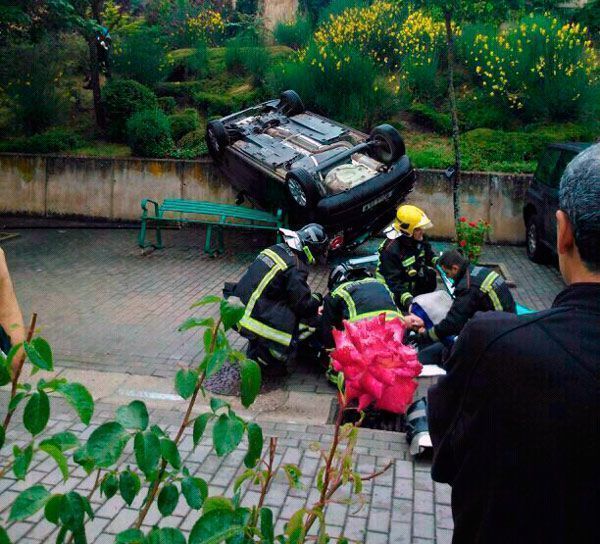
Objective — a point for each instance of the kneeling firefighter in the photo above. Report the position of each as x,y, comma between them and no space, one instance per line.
353,295
406,259
279,304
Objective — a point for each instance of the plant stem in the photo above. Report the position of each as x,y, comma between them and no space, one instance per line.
89,496
154,489
17,373
270,473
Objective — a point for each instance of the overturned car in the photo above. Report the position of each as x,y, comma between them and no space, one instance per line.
280,156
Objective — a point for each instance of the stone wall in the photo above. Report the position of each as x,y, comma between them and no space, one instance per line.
113,188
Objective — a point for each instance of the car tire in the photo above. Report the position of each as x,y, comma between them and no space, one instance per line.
217,139
290,103
536,251
389,146
302,188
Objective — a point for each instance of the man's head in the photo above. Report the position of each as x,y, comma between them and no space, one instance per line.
311,241
453,263
578,218
410,221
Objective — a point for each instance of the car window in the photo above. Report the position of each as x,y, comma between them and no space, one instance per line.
565,158
546,165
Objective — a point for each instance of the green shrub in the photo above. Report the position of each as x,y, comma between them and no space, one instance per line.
222,104
140,55
295,35
182,123
149,134
247,6
475,112
122,98
247,55
28,75
186,64
332,8
348,91
167,104
432,119
55,140
191,145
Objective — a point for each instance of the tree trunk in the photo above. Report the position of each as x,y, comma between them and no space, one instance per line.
95,83
96,6
456,179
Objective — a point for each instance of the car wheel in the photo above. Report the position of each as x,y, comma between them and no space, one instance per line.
217,139
536,251
388,144
290,103
302,188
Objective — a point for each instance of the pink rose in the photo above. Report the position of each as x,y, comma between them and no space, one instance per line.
378,367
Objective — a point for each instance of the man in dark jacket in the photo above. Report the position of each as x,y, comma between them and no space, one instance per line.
12,330
515,423
406,259
277,297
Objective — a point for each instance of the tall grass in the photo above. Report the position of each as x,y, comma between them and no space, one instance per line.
296,34
247,55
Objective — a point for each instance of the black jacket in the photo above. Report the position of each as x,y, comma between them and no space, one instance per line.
401,262
479,289
276,294
352,301
515,424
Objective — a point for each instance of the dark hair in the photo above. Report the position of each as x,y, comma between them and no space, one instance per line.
579,198
453,257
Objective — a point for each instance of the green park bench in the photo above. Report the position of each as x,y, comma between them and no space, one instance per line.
217,216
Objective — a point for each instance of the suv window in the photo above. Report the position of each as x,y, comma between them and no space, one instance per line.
565,158
547,165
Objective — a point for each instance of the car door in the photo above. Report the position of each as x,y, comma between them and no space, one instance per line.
541,187
551,196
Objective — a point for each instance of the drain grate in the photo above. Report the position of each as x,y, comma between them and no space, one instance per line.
374,419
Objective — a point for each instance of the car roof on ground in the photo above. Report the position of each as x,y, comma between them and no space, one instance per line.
577,147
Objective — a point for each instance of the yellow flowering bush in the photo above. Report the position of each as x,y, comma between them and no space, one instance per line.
207,26
538,67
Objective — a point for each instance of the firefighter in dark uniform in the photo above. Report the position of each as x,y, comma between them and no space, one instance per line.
406,259
279,304
477,289
353,295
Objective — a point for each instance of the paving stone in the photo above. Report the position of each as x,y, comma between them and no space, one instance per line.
376,538
423,526
443,517
379,519
355,528
123,520
423,501
400,533
402,510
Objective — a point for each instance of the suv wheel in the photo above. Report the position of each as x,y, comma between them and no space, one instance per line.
535,248
388,145
217,139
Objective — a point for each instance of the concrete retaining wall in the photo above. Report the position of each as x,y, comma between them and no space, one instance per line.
113,188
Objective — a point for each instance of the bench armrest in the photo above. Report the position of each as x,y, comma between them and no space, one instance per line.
144,205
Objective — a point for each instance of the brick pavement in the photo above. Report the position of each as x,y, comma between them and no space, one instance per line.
100,302
401,506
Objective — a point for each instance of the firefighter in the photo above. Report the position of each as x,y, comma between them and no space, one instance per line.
406,259
477,289
353,295
280,308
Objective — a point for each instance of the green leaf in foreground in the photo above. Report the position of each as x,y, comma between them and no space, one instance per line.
255,445
133,416
195,491
36,413
130,536
227,434
193,322
250,381
22,461
106,444
231,314
170,452
166,535
167,499
4,537
56,454
39,353
129,486
146,447
214,527
52,508
64,441
80,399
200,424
208,299
109,485
185,382
29,502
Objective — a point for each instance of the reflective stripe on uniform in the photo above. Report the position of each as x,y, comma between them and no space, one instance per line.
255,326
405,296
409,261
432,334
389,314
488,289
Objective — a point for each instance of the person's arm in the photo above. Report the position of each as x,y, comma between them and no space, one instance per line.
11,318
463,308
431,258
303,302
331,318
396,278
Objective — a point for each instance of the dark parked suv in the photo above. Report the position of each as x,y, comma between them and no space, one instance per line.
541,201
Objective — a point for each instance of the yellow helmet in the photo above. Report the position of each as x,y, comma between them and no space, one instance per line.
409,218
